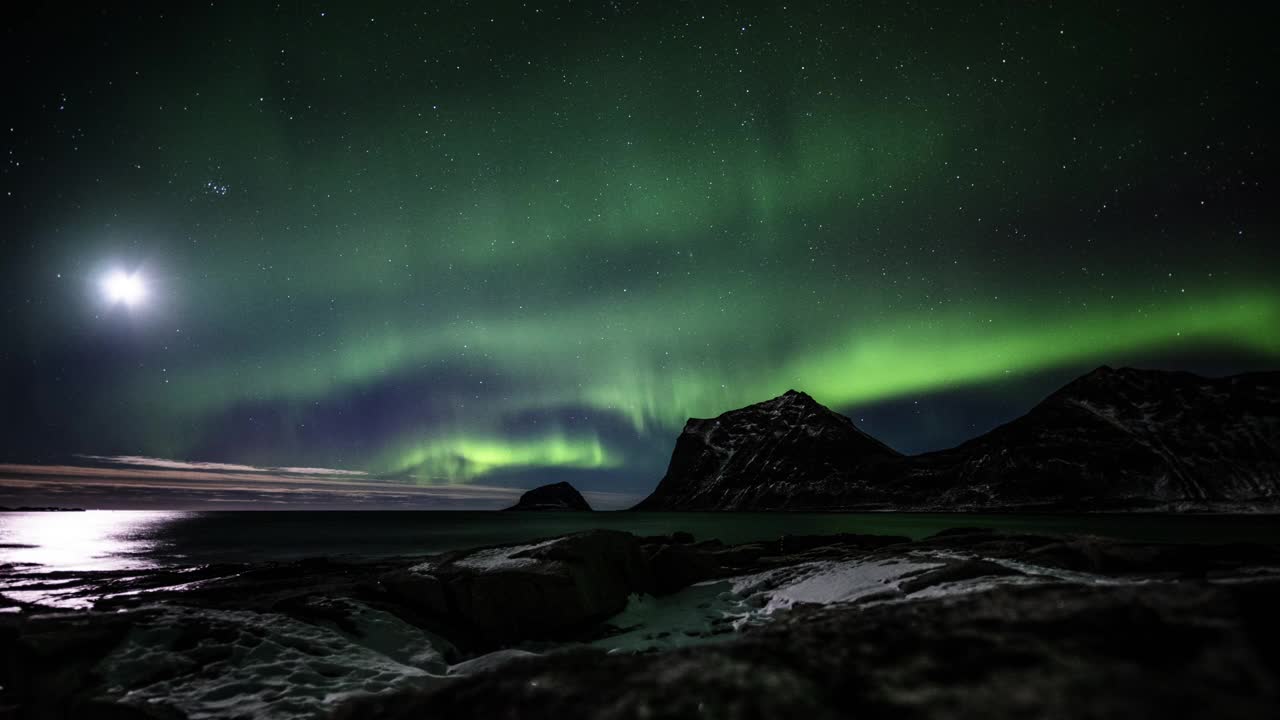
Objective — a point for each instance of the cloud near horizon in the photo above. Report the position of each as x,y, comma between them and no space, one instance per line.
144,461
157,483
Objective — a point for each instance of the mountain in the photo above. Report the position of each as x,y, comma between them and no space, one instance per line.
772,455
1114,439
558,496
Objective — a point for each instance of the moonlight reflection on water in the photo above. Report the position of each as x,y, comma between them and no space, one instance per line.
62,559
96,540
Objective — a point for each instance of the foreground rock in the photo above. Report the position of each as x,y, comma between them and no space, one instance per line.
967,623
178,661
558,496
500,595
1185,650
1121,439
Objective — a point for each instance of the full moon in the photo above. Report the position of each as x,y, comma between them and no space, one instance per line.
122,287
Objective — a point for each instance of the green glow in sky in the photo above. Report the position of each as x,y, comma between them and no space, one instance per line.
450,245
462,459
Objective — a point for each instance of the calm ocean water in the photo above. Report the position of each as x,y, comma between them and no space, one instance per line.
136,540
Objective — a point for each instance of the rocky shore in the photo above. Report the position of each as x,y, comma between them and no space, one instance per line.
966,623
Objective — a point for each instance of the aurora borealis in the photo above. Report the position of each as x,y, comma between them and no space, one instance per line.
502,244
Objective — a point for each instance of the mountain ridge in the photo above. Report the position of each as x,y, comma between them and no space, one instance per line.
1111,439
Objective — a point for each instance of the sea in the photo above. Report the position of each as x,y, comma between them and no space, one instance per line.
121,540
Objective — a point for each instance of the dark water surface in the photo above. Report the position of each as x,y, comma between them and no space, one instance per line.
125,540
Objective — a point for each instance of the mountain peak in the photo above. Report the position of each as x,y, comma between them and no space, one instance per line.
1106,382
788,398
799,396
745,456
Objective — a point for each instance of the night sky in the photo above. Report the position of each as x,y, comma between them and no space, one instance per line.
500,244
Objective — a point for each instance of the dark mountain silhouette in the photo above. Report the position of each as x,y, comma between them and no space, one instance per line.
1114,439
764,456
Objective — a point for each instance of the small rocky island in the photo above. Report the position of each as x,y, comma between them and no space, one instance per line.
556,496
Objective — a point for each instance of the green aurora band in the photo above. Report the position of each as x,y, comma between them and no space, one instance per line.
462,459
573,365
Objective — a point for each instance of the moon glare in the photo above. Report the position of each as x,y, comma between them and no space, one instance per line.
122,287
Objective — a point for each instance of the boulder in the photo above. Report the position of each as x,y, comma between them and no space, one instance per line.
544,590
677,566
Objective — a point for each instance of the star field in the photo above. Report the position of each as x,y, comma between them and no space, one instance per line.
520,242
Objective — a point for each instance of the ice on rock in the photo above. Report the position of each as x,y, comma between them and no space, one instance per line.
489,661
707,611
234,663
387,634
500,558
697,614
824,583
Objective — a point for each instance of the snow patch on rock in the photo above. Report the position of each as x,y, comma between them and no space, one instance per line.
493,559
489,661
234,663
697,614
384,633
825,582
